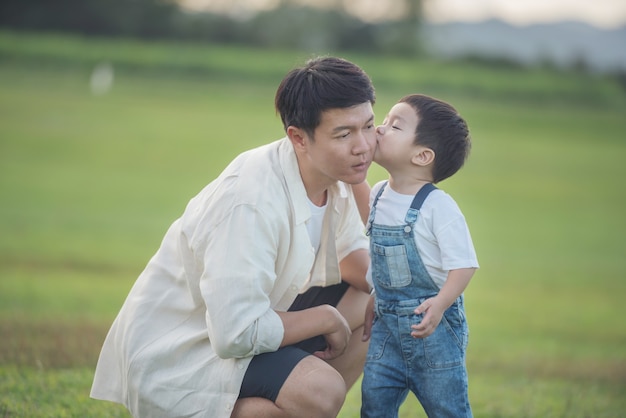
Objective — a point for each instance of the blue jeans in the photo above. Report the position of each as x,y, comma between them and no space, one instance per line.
433,368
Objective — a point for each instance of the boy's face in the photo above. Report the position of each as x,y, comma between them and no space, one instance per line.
343,146
396,137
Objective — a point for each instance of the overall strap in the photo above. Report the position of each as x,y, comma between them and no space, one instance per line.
370,219
379,193
421,195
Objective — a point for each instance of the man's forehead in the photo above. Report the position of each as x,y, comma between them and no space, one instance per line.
357,115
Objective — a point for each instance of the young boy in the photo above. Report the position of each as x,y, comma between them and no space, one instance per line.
422,259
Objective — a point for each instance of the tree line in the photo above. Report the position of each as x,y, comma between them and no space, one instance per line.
288,26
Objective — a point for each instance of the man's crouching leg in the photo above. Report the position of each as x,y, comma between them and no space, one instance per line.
350,363
312,389
292,383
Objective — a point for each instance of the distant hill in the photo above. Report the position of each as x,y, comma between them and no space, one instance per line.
563,44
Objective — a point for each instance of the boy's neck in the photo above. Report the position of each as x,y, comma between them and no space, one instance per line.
408,186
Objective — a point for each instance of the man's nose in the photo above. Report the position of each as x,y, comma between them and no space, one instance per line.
364,143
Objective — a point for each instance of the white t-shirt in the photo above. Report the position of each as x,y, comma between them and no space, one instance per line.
441,234
314,224
314,228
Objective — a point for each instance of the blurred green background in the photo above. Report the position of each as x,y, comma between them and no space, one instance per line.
103,139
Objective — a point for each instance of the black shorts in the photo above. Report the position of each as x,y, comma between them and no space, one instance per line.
268,371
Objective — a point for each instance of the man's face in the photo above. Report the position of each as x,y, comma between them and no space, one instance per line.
344,144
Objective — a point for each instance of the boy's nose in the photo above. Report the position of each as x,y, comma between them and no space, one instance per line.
380,130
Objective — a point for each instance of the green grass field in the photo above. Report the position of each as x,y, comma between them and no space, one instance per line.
90,183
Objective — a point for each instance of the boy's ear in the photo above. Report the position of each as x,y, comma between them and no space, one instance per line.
424,157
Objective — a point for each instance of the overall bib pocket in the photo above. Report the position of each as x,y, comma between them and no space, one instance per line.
390,265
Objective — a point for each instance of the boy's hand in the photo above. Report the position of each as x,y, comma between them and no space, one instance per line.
433,311
369,319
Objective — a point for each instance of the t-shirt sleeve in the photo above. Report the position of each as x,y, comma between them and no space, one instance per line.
453,235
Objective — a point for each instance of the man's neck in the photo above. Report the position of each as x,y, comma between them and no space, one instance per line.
315,184
318,199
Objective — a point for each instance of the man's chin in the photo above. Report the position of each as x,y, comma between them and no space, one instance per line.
356,179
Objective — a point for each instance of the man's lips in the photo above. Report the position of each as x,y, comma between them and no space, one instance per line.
362,165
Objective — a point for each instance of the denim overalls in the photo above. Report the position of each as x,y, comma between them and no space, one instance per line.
433,368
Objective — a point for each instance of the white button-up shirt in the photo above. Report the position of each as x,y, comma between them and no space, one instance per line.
206,301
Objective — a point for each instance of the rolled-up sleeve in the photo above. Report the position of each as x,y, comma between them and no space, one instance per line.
238,276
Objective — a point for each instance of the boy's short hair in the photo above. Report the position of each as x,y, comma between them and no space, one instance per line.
322,83
441,128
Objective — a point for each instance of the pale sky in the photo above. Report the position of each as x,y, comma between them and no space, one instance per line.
602,13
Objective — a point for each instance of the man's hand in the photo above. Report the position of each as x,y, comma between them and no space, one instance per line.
337,339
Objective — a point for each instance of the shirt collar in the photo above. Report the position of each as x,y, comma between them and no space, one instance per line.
293,181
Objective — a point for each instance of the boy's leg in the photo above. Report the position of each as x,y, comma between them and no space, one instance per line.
443,393
384,385
441,383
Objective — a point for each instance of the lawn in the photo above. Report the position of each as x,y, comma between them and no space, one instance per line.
89,184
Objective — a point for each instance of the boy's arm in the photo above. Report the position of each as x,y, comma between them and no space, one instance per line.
434,307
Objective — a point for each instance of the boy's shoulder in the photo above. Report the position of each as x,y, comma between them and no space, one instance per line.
440,196
441,204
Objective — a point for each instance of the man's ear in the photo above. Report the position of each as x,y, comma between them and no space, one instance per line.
424,157
296,136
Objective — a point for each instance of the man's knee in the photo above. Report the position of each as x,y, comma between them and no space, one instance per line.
313,389
329,393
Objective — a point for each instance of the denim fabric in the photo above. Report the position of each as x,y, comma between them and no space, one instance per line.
433,368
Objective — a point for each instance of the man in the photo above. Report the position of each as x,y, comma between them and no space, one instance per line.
253,306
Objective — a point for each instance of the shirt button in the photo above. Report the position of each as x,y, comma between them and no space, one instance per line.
407,229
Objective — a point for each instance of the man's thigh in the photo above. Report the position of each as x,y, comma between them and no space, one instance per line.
268,372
